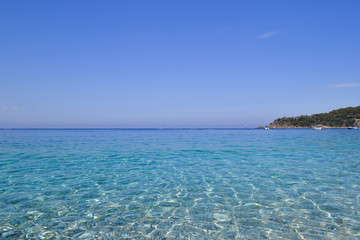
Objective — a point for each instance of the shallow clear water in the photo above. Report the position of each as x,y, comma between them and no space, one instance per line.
180,184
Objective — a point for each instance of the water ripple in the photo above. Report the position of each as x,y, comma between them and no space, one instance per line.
179,184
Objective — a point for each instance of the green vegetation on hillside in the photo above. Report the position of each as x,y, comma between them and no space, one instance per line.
342,117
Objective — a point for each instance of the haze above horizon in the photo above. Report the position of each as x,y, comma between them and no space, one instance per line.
175,64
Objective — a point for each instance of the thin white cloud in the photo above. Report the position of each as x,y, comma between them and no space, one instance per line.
344,85
267,35
12,109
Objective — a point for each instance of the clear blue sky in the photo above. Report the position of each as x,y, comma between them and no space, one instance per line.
175,63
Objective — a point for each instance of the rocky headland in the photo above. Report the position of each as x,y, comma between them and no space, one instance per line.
340,118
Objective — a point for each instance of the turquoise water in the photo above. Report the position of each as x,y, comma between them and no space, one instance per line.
180,184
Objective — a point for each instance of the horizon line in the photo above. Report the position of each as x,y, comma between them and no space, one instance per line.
139,128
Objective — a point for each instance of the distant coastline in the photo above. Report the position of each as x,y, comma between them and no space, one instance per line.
339,118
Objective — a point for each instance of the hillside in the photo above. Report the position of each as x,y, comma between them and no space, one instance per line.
339,118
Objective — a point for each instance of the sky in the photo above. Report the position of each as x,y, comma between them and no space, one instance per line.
151,64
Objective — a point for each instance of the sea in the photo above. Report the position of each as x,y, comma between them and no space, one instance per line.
179,184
